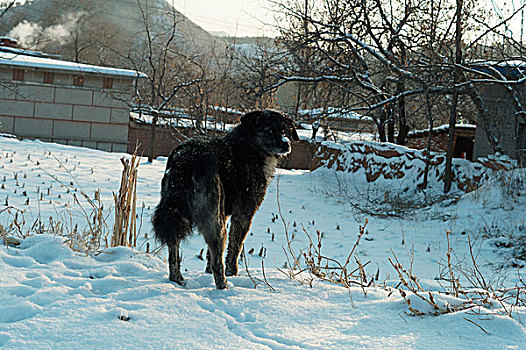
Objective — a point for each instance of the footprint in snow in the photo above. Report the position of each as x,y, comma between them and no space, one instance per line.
19,261
138,293
20,291
4,338
18,312
36,280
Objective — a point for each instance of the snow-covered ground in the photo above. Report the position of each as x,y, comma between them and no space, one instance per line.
52,297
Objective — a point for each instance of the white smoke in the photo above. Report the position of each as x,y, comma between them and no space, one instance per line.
26,34
32,35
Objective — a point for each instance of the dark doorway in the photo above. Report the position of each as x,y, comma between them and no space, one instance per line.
463,148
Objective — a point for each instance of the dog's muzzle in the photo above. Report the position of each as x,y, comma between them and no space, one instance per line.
285,146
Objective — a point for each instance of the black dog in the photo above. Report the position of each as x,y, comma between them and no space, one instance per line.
208,180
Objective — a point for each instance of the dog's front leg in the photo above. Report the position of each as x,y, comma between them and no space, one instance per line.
239,227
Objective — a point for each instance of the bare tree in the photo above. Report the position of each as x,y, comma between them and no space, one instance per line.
366,62
163,80
393,57
4,11
255,73
454,99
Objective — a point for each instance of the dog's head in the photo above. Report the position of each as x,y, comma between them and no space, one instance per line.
272,131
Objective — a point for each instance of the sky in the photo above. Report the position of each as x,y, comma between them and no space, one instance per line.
235,17
256,18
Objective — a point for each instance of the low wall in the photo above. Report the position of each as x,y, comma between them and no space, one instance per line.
384,161
168,137
301,157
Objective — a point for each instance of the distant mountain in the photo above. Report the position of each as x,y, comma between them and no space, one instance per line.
47,24
162,16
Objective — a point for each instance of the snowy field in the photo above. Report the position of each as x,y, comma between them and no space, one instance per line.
52,297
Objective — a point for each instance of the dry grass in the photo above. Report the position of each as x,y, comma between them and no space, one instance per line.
306,265
90,234
125,227
478,297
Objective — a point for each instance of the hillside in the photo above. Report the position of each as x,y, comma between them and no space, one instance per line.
55,26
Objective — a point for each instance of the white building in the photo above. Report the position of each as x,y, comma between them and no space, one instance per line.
62,101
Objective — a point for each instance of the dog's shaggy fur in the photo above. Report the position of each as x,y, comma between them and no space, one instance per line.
208,180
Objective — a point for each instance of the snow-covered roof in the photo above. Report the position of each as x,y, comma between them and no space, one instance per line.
511,69
333,112
18,51
505,63
225,110
22,60
441,128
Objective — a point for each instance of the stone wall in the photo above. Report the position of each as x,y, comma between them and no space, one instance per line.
386,161
86,116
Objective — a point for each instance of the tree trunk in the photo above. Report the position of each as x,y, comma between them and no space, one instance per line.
380,125
403,128
450,142
429,138
457,76
152,138
390,128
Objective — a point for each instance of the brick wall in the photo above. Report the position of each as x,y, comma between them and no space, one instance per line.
83,116
438,142
301,156
463,143
167,138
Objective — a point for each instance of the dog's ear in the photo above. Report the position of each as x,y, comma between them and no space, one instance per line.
293,131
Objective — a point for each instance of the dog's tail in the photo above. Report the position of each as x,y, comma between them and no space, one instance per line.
169,224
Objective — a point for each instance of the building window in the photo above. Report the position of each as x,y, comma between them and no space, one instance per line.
107,83
78,80
48,78
18,74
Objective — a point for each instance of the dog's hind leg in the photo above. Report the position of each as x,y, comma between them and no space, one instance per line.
174,262
216,246
210,219
208,269
239,226
170,228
